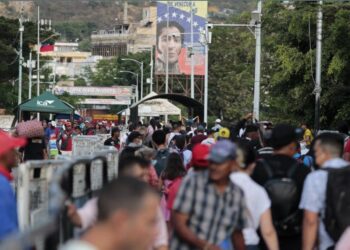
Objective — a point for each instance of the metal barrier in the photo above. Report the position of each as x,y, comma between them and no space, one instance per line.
33,182
42,213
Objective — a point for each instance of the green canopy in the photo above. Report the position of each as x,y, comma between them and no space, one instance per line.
46,103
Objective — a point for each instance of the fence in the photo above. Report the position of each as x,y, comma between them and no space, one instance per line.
44,186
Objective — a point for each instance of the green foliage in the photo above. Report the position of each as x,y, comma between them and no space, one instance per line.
288,65
9,43
289,61
72,100
108,73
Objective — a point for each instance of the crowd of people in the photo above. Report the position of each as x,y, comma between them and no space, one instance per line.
189,186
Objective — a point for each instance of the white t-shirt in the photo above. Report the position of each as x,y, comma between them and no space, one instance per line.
78,245
257,202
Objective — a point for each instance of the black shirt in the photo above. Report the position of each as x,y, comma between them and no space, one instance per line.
112,142
34,150
280,165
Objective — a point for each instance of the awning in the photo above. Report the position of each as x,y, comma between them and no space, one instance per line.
156,107
46,103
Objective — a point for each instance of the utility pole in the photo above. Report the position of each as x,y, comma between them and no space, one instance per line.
152,66
38,56
20,64
206,73
192,54
141,80
318,88
167,56
30,75
256,109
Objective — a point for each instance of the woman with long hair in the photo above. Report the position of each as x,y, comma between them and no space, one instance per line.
170,181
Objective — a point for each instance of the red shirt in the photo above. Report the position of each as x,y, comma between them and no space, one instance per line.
347,147
172,192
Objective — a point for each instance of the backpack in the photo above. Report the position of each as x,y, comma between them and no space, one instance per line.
284,195
337,216
161,161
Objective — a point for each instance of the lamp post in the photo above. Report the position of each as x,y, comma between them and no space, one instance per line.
255,23
141,68
137,81
151,65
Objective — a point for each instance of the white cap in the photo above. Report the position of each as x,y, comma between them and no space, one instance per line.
217,121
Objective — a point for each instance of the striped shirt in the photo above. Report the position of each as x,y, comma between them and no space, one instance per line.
213,216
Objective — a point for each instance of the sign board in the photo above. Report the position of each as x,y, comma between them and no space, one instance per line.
119,91
105,117
117,101
174,37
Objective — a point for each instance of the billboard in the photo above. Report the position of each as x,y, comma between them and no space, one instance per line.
174,37
117,91
91,101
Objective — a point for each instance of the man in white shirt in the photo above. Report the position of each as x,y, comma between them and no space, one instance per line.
126,218
328,151
257,200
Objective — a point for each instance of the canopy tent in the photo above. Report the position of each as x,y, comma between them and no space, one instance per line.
46,103
155,107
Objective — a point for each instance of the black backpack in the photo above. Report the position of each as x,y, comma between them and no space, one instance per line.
285,198
337,215
161,161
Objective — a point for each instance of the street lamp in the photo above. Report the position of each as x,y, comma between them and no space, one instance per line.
255,23
141,68
137,81
151,65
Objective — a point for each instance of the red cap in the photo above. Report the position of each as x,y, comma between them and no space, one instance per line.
200,155
8,142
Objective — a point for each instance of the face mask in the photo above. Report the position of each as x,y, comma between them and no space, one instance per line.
154,162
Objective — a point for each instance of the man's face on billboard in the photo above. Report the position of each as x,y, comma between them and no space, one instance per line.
174,42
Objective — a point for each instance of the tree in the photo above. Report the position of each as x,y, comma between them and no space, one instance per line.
9,44
231,72
107,72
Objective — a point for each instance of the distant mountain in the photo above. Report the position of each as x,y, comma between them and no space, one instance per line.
100,12
76,19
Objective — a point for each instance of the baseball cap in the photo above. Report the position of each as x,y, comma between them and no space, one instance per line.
218,121
282,135
223,151
200,153
224,133
8,142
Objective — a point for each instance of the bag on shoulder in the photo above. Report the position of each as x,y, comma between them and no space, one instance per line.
161,161
337,215
284,195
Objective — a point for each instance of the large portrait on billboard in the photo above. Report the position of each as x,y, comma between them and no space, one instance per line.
174,37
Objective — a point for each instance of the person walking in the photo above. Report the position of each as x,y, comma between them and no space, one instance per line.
114,140
283,178
324,191
258,202
126,218
8,206
209,208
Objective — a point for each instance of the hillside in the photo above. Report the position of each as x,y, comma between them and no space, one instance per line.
100,12
76,19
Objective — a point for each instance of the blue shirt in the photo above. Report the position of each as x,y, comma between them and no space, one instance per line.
314,197
8,209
